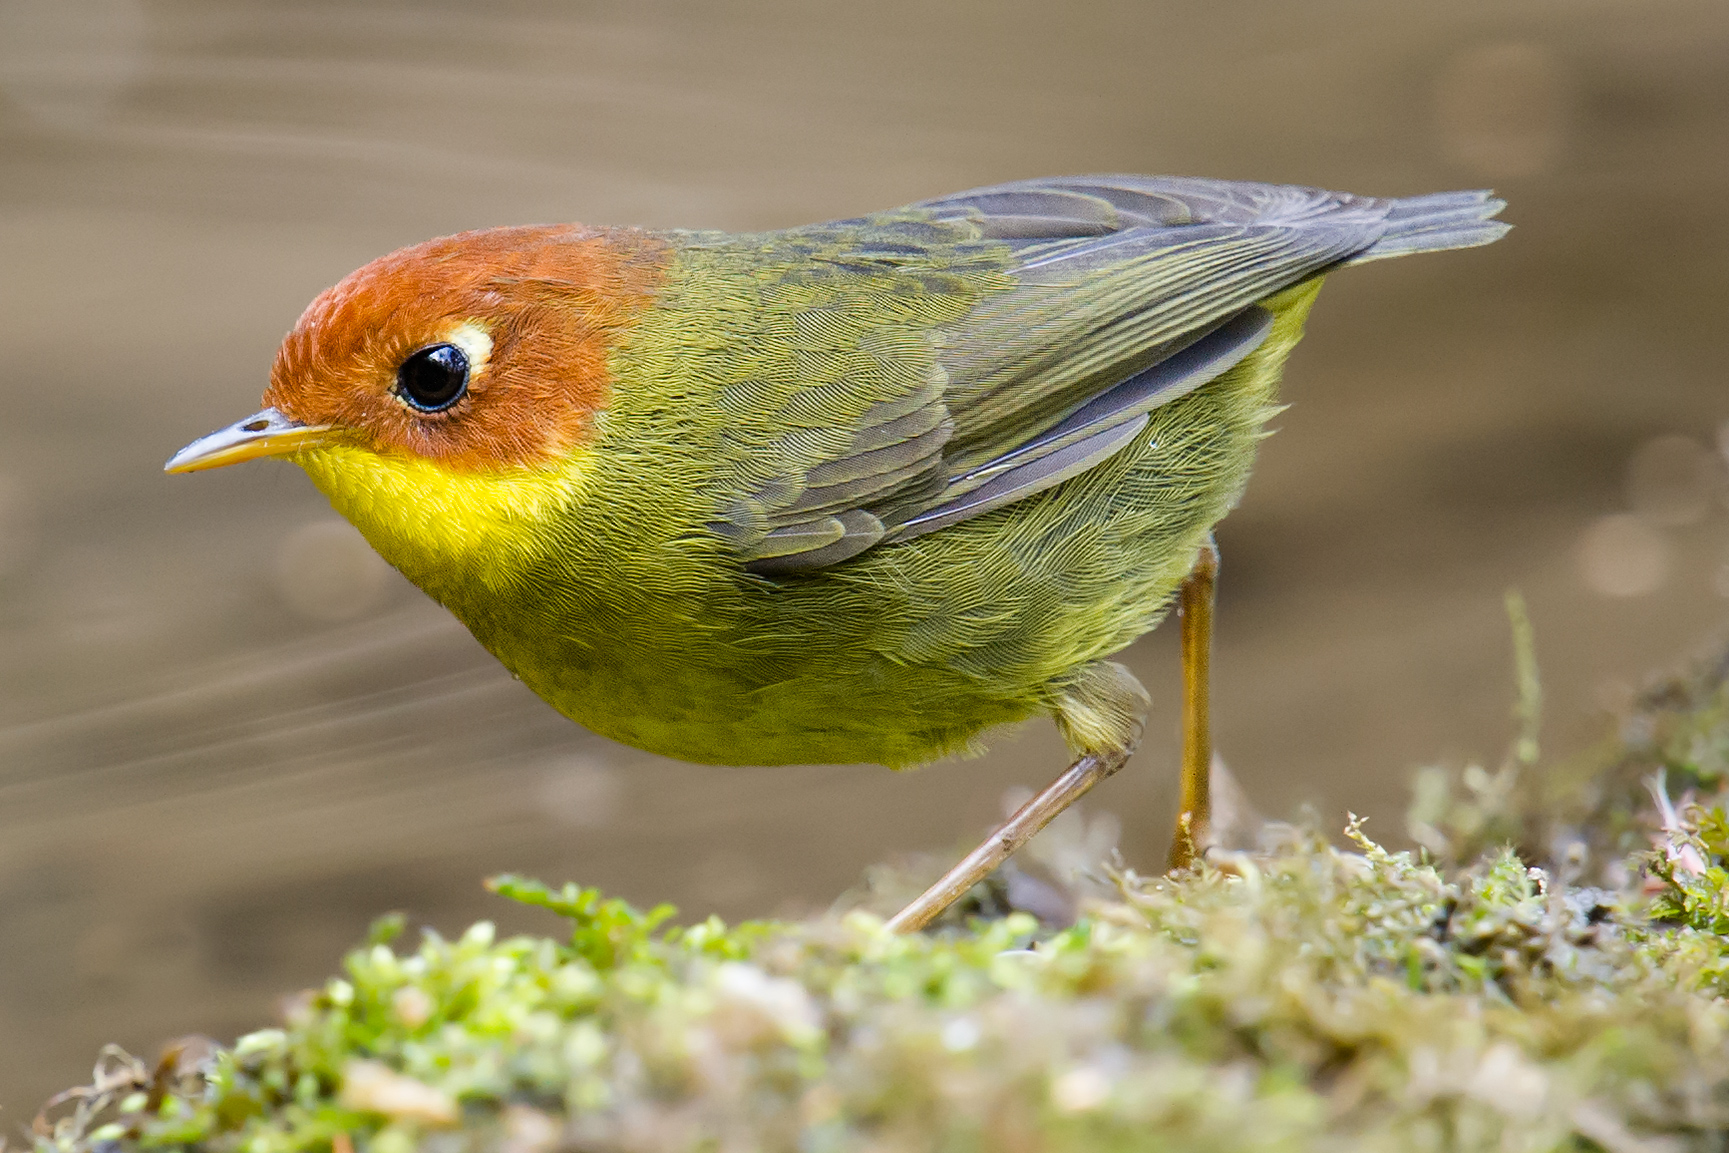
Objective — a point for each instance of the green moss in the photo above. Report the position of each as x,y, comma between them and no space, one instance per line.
1300,996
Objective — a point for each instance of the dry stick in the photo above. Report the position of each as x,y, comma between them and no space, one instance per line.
1015,832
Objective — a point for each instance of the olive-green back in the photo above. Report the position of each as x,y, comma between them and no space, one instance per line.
740,581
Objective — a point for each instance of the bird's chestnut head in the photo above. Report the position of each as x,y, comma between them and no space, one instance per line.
484,351
442,396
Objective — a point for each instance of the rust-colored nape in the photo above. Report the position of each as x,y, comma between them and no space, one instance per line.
548,302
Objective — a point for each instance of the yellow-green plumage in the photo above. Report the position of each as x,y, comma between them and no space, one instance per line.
728,571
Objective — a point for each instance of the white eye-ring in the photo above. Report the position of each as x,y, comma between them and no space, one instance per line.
476,344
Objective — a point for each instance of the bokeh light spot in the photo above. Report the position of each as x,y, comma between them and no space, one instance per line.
325,571
1673,480
1622,556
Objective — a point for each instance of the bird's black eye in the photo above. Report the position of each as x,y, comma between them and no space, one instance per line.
434,378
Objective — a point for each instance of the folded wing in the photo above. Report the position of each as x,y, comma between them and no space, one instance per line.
1089,302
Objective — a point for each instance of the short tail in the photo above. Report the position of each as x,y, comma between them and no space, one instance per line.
1438,221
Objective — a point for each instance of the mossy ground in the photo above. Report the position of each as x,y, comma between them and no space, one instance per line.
1549,972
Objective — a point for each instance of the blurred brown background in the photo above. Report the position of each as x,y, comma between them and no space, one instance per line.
229,736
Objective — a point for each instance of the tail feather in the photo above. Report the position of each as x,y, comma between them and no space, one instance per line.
1435,222
1033,213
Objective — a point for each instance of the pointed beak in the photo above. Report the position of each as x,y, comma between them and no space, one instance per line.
267,433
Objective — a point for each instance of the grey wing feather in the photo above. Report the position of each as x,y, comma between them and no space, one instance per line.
1129,291
1176,375
816,544
1433,223
1087,314
1068,207
1024,480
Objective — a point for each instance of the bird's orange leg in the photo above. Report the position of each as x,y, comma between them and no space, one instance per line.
1101,710
1086,772
1194,811
1195,608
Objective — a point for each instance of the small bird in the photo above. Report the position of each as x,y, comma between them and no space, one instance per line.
851,492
